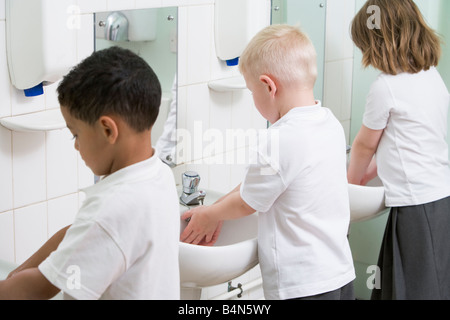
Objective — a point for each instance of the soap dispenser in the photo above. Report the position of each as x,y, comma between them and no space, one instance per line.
236,23
40,42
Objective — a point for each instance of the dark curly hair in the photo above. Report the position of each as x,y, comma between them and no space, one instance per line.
113,81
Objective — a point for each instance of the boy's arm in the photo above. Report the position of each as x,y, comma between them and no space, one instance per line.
363,150
205,221
28,284
36,259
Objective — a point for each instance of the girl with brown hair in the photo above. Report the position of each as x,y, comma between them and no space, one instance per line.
405,125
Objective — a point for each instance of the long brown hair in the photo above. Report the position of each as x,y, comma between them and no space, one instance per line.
396,37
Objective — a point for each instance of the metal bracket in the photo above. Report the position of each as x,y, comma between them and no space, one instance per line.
239,286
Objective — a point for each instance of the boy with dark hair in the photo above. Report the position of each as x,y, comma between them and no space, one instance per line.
123,243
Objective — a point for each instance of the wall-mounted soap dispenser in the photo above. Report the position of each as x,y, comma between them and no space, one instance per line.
236,23
40,41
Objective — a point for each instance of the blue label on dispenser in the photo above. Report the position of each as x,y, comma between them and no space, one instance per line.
35,91
233,62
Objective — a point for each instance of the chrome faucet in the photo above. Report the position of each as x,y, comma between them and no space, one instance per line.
191,196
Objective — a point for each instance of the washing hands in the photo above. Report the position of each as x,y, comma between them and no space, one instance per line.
205,222
203,228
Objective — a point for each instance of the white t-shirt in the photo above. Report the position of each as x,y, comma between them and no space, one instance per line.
412,156
124,241
298,184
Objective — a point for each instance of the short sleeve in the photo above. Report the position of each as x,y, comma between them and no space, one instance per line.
86,262
378,105
263,182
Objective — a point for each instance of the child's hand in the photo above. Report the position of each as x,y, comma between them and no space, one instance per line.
202,229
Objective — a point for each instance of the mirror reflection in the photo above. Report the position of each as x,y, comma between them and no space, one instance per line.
152,34
310,15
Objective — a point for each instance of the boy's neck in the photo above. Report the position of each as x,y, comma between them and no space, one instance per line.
295,98
133,150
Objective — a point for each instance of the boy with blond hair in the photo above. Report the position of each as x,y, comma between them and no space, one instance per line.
297,183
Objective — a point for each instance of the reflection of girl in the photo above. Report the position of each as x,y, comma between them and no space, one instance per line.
405,123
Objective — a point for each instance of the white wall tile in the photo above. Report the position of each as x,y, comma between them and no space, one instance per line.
219,178
242,112
29,168
62,164
85,37
51,96
148,4
199,2
61,212
7,251
338,87
2,9
347,87
173,3
30,230
197,118
89,6
22,105
220,110
6,194
115,5
200,27
339,16
85,175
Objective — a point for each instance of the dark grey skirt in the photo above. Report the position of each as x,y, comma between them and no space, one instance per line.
415,253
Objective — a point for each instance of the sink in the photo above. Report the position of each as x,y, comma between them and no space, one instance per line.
6,268
236,249
366,202
234,253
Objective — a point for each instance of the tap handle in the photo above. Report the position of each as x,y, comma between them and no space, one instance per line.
191,180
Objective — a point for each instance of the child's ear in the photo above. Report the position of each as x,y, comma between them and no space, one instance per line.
109,128
270,85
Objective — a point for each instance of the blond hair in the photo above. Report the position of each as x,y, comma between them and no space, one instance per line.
281,51
400,41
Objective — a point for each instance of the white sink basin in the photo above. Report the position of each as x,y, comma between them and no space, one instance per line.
366,202
234,253
6,268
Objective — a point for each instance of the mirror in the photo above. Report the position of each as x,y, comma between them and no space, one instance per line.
310,15
152,34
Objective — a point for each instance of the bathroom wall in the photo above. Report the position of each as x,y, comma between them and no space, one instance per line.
41,173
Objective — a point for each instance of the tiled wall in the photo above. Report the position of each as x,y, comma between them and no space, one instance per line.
339,61
40,173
